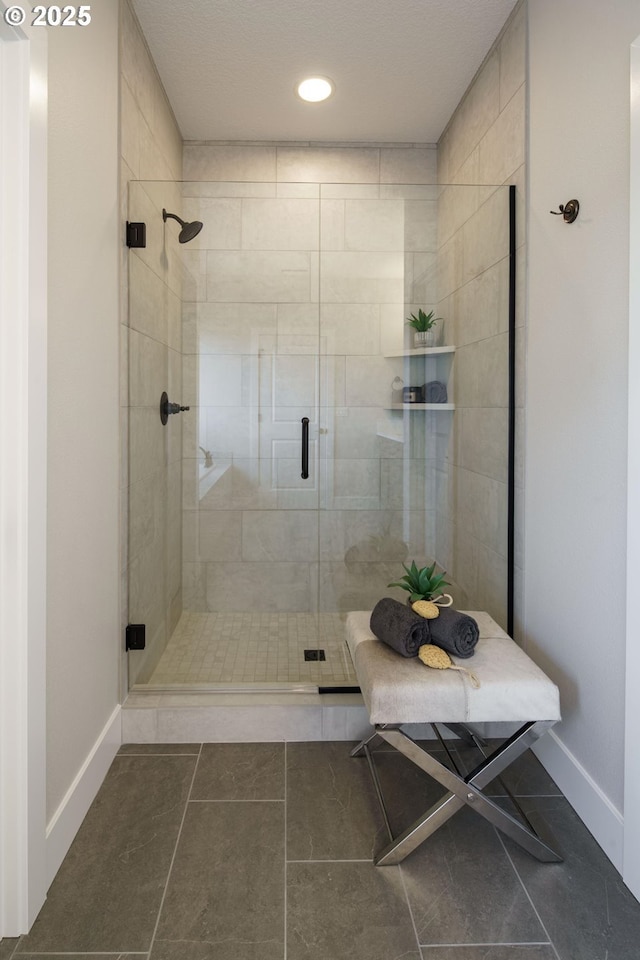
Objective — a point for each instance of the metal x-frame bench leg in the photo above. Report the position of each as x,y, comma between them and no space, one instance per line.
461,790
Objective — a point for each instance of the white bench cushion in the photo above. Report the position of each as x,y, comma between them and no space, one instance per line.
403,690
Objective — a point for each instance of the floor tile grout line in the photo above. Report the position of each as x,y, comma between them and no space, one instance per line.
527,894
162,756
175,851
15,947
285,852
515,943
238,800
367,860
406,896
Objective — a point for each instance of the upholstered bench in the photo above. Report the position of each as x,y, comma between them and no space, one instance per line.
399,691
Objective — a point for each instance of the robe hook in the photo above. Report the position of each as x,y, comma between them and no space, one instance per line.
568,211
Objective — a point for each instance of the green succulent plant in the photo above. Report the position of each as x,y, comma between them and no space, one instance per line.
423,583
423,322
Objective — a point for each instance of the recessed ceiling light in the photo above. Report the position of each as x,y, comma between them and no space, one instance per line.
314,89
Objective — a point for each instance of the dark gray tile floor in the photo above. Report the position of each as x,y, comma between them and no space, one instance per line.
263,852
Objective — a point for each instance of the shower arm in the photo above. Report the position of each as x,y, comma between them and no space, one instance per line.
165,217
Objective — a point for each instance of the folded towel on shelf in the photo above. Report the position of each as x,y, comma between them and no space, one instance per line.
399,627
435,392
455,632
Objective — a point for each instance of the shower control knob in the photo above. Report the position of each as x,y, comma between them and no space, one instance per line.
167,408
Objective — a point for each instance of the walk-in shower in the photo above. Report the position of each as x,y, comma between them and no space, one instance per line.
321,448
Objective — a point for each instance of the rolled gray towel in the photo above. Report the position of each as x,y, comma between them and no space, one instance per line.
435,392
455,632
399,627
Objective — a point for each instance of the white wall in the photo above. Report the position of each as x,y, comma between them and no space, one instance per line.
83,633
576,419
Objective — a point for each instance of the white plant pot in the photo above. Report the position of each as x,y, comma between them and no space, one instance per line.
424,338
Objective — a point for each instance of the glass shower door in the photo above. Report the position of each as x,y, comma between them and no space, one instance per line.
377,263
153,455
252,378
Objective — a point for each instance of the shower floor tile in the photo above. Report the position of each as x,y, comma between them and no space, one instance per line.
219,648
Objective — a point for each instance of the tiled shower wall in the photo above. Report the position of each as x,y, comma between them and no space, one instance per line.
151,150
484,143
297,287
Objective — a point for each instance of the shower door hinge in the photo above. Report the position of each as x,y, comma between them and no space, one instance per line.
136,234
135,636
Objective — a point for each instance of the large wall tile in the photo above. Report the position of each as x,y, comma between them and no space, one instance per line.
229,328
513,55
221,222
235,163
258,276
227,188
136,65
455,205
420,225
147,443
152,159
482,373
369,381
482,305
219,535
356,586
130,120
260,587
281,224
492,584
147,512
406,484
279,535
148,369
486,235
148,296
294,381
374,225
351,433
474,116
370,536
362,277
297,325
220,381
502,149
351,484
409,165
328,164
350,191
484,440
481,509
332,214
226,431
350,328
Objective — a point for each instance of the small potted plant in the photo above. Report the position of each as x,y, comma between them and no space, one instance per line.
423,583
423,325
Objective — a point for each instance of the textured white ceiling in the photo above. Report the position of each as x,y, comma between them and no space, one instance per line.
400,67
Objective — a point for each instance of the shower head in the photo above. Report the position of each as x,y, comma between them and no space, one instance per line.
189,230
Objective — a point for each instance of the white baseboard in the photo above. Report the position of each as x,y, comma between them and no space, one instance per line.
66,821
594,808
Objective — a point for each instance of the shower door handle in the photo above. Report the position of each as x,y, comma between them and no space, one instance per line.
305,448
